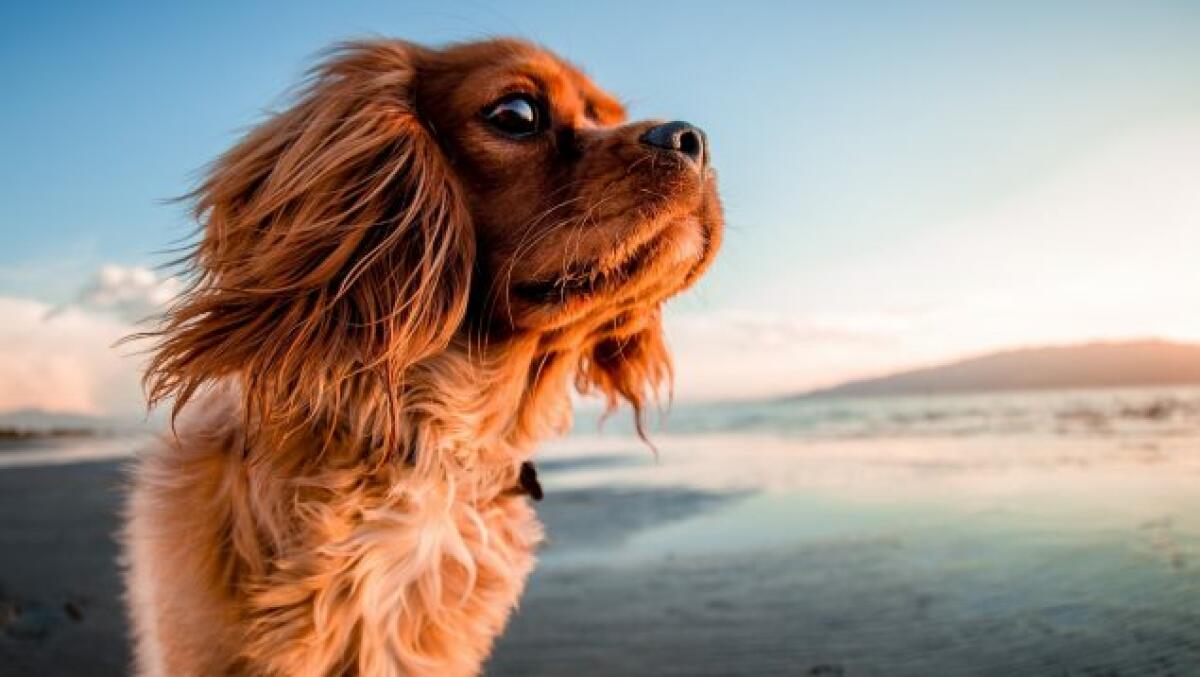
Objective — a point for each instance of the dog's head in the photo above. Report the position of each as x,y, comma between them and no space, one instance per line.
413,196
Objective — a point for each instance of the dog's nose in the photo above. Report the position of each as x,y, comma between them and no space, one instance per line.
681,137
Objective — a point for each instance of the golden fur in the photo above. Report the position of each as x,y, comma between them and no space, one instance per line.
390,303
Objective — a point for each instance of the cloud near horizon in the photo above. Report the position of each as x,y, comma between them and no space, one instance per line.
738,354
133,293
66,358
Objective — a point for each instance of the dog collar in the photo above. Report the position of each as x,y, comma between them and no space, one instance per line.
528,482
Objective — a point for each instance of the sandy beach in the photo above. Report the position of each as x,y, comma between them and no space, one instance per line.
60,606
751,554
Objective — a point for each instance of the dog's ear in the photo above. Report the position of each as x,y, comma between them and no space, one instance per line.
631,363
337,250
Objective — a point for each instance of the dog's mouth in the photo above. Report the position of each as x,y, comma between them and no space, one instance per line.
587,279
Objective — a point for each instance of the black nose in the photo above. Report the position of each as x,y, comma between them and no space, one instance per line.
680,137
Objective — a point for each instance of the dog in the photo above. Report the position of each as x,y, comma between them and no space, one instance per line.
398,282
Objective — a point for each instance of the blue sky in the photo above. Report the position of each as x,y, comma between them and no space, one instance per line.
881,162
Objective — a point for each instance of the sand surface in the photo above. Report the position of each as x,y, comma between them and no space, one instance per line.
641,579
60,606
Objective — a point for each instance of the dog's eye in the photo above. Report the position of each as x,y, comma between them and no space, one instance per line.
516,115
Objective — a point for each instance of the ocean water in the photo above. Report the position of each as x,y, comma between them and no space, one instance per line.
1116,412
1058,459
1010,533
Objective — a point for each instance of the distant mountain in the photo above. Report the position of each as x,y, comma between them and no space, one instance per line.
20,423
40,419
1091,365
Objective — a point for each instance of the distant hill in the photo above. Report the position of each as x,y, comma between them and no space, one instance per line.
40,419
37,423
1091,365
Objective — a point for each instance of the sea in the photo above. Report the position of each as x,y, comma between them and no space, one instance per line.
1047,532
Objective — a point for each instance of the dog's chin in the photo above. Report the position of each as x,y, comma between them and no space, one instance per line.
646,274
638,255
588,280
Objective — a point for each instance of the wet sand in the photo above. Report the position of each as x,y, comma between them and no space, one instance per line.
60,606
881,606
639,579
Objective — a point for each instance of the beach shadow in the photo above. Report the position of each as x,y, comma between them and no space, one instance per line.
605,517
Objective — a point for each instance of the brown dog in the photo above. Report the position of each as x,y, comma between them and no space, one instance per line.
399,280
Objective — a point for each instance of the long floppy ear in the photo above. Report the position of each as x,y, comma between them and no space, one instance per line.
630,365
336,252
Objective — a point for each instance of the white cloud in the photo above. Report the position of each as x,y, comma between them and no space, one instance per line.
66,361
67,358
736,354
132,293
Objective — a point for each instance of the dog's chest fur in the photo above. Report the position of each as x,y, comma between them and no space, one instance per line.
245,565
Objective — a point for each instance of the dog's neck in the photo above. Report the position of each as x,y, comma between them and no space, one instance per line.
493,402
473,412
